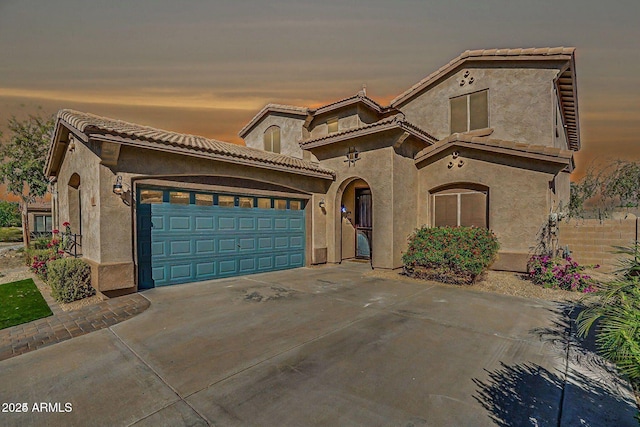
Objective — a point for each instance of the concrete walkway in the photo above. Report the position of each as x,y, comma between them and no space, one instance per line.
321,346
64,325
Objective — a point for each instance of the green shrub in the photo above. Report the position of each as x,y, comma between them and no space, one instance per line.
10,234
450,255
70,279
615,311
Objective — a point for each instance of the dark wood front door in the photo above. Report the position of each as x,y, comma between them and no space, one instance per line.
364,223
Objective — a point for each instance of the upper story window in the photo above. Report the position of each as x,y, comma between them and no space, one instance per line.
272,139
332,125
469,112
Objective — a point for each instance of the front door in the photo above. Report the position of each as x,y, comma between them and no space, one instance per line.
364,223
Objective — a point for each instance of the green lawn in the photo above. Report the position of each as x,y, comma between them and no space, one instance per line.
10,234
21,302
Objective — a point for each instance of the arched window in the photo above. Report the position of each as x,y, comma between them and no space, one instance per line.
461,206
272,139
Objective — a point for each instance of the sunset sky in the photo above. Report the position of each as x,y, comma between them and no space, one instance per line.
206,67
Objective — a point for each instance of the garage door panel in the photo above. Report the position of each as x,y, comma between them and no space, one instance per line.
205,268
265,262
158,273
179,223
280,224
247,224
296,242
180,247
246,244
228,267
281,260
296,224
226,223
281,242
180,271
186,243
226,245
247,265
265,224
265,243
205,224
297,260
205,247
157,223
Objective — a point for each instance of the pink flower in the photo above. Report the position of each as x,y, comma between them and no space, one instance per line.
55,231
66,224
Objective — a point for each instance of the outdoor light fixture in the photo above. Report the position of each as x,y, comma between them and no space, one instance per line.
117,187
321,204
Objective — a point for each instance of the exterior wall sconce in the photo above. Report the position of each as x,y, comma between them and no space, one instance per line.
122,190
321,204
117,187
72,146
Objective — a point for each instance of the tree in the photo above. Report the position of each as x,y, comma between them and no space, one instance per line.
9,214
614,186
24,155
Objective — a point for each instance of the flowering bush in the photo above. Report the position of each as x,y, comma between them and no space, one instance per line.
42,252
37,259
558,273
450,255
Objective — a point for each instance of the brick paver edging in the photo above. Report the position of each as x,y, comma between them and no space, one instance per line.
64,325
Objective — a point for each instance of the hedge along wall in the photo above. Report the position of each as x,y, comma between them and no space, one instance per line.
591,241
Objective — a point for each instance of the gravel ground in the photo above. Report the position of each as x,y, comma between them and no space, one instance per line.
501,282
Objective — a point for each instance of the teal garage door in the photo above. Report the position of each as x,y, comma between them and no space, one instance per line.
188,236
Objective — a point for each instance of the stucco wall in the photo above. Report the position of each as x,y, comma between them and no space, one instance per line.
519,195
290,134
348,118
521,102
84,162
392,180
405,206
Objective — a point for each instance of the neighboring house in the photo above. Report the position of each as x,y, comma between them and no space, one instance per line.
40,218
487,140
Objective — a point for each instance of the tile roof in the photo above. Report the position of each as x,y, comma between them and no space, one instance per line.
509,147
396,121
93,126
272,108
359,97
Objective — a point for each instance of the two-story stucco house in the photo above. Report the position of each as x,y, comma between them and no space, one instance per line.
487,140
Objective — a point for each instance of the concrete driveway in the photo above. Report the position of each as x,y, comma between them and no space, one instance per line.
320,346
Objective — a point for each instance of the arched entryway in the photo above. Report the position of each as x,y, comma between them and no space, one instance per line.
75,204
354,204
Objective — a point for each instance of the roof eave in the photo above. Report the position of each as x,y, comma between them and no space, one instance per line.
211,156
563,159
459,62
392,125
266,110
